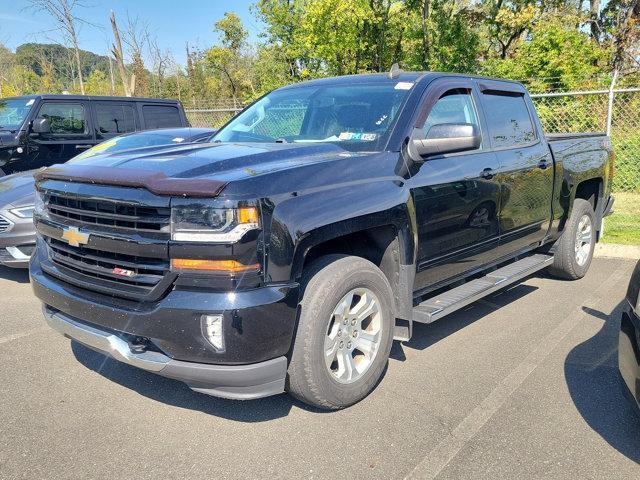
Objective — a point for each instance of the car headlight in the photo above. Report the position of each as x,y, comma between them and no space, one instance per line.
23,212
207,224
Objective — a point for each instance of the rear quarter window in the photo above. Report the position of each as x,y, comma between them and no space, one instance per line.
161,116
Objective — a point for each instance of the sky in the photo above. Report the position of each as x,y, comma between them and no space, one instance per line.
174,22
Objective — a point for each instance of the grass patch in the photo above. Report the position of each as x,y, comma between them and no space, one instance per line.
623,226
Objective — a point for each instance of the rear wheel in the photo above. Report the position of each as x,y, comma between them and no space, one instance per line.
344,334
574,249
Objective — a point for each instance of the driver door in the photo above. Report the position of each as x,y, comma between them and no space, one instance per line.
455,195
70,133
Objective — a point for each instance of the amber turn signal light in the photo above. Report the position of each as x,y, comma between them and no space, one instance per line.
248,215
227,266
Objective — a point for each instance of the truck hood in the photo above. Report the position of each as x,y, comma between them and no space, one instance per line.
195,169
17,190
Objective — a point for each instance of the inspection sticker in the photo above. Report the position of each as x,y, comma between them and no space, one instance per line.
365,137
403,86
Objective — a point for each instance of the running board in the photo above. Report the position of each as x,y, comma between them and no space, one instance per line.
448,302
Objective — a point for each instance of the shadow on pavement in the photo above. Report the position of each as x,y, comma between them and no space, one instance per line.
426,335
173,392
176,393
20,275
596,388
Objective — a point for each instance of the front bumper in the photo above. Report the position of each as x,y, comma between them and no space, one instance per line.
629,353
166,336
241,382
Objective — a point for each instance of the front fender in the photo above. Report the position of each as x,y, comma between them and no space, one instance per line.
301,221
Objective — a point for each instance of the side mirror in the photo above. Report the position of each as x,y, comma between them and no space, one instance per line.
444,138
41,126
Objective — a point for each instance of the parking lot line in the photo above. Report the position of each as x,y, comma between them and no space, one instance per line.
438,458
16,336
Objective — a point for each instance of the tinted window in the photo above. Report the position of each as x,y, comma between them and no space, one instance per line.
509,120
455,106
65,118
161,116
114,119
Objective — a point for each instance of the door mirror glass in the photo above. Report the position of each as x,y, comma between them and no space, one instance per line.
444,138
41,126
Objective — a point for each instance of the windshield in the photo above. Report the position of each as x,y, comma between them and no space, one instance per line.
358,116
127,142
13,112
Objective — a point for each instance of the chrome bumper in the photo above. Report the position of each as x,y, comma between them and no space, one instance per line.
106,342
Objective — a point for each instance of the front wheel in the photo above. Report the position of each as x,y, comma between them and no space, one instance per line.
574,249
344,333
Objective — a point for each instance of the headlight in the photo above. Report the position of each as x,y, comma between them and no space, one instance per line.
207,224
23,212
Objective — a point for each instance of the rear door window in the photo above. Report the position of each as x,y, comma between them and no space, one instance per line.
114,119
508,119
65,118
161,116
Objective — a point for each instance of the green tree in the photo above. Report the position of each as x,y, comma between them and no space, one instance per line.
555,57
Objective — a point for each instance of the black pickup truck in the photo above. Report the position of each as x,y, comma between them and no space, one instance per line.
325,219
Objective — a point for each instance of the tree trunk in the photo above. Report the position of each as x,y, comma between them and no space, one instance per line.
594,14
425,34
117,52
79,66
113,83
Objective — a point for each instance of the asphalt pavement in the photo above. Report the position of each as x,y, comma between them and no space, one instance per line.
523,384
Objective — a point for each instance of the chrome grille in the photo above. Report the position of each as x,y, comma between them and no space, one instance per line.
108,213
5,224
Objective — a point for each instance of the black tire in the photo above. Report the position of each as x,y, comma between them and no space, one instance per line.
325,284
565,264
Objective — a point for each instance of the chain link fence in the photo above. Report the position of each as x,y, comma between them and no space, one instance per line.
210,117
565,112
591,111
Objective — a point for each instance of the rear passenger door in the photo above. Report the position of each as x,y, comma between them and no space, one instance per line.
161,116
113,118
525,170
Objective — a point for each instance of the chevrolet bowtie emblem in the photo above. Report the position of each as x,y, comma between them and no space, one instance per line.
75,237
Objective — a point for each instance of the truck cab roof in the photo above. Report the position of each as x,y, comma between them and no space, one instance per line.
401,76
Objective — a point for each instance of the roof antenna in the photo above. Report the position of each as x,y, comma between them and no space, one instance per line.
395,71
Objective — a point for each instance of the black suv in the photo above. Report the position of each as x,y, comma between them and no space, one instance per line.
41,130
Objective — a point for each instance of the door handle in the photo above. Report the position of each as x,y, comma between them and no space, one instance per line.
82,147
542,164
487,173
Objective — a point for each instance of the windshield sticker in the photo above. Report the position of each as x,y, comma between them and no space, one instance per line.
30,102
364,137
381,119
403,86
